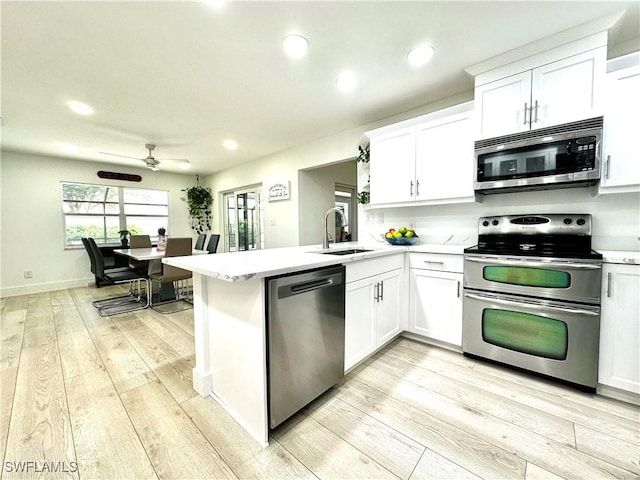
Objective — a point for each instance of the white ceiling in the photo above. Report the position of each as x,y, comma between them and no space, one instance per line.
186,75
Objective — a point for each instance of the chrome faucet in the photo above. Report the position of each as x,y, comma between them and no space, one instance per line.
325,240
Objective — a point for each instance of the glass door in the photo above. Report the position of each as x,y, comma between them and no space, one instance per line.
243,220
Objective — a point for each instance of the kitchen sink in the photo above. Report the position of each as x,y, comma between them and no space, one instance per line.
350,251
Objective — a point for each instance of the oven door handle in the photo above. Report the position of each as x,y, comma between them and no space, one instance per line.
533,306
528,263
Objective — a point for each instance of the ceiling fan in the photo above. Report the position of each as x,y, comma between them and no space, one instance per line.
150,160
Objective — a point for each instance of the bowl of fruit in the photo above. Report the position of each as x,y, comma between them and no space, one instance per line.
401,236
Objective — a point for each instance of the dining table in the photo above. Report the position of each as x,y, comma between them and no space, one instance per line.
154,257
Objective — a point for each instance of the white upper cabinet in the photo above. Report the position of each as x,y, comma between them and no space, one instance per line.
558,86
428,159
444,158
621,161
392,166
503,106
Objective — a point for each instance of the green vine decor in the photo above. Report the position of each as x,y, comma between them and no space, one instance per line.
199,201
363,155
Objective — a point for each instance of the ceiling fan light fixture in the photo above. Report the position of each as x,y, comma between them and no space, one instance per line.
295,46
420,55
80,108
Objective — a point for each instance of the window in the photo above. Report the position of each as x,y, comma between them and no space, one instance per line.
101,211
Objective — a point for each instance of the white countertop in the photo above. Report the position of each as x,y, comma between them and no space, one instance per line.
238,266
619,256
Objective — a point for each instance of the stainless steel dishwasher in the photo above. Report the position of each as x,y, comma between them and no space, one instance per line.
305,315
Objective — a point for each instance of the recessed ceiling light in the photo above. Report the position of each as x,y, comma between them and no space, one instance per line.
346,81
80,108
295,46
420,55
230,144
215,3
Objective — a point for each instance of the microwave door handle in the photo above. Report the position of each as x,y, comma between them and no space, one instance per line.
527,263
531,305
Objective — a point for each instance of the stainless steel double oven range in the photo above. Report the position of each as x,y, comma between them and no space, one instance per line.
532,296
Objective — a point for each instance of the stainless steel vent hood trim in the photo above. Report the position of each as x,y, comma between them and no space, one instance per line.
591,123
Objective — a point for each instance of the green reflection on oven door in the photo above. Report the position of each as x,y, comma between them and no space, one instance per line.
528,276
526,333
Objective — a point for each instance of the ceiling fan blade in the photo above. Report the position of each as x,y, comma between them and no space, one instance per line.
181,160
123,156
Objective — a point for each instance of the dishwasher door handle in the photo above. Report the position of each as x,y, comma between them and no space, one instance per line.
312,285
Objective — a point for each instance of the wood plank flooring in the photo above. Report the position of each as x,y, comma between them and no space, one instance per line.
89,397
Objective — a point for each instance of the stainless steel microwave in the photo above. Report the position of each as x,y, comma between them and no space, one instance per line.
554,157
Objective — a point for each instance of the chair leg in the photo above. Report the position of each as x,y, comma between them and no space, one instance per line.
181,288
138,303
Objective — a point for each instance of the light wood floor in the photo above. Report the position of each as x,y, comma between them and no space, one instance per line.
90,397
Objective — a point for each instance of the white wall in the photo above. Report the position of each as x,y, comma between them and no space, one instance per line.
32,223
615,217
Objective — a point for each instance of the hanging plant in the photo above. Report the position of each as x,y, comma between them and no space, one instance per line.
363,156
199,201
363,198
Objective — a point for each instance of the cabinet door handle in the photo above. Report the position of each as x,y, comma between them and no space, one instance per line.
411,188
458,287
525,114
608,167
609,285
376,289
536,109
417,188
381,290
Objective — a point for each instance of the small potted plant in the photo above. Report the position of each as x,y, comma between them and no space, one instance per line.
124,237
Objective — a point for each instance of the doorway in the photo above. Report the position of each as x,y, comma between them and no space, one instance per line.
345,201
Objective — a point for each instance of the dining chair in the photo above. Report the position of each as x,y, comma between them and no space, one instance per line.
139,241
135,300
200,241
176,247
92,259
212,246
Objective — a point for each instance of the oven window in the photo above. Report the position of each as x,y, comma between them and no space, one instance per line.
526,333
527,276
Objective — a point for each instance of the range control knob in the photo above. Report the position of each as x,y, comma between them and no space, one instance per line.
494,222
485,223
568,221
581,221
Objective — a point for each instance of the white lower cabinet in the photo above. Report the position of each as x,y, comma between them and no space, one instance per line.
373,306
619,362
435,297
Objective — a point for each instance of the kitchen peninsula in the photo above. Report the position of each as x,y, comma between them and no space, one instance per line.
230,322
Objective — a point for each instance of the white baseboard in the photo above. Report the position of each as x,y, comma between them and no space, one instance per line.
45,287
